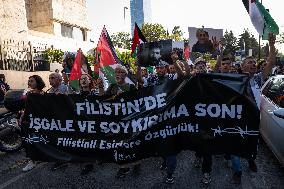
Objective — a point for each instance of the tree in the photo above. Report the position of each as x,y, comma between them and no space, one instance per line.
121,40
185,40
265,50
248,41
230,43
154,32
281,38
53,55
127,59
176,34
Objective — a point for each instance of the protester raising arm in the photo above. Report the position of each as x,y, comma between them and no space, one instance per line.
215,47
175,60
187,69
218,63
139,76
271,57
100,86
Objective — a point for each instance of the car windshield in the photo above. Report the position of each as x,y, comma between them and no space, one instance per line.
277,91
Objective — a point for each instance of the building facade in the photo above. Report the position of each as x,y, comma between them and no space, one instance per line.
13,22
60,23
140,12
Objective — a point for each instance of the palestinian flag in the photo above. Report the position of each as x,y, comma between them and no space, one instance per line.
107,58
96,70
137,39
260,18
76,71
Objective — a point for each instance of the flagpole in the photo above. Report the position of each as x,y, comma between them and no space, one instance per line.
124,17
259,47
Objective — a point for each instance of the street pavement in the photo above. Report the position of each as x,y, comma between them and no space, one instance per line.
270,174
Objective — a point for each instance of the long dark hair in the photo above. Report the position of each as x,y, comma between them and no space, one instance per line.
39,81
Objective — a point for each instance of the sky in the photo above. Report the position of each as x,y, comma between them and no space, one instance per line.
219,14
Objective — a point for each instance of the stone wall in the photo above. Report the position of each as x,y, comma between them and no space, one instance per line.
46,15
19,80
73,12
13,23
63,43
40,15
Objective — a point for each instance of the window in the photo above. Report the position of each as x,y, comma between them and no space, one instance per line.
267,87
274,90
66,30
84,34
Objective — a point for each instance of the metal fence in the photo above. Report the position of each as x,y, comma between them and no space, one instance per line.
22,56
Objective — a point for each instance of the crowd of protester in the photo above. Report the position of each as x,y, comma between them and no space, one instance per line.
180,69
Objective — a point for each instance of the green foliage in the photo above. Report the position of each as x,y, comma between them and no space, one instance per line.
121,40
206,56
265,50
91,59
53,55
176,34
230,43
185,40
248,41
281,38
156,32
153,32
127,59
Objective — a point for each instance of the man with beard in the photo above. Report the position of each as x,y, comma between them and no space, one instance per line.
115,89
120,86
155,54
249,67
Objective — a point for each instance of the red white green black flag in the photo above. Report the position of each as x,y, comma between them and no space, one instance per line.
260,18
137,39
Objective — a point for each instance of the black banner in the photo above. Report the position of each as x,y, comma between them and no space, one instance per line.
213,113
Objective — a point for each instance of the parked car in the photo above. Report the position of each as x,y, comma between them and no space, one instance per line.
272,115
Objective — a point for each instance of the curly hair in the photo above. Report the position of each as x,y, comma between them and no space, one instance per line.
39,81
